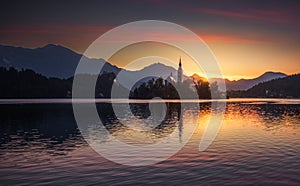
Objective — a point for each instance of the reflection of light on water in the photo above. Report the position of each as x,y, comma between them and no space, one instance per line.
257,143
232,100
179,128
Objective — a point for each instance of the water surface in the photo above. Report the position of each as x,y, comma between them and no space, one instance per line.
259,143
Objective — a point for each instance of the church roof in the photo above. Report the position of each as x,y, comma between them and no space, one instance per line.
170,78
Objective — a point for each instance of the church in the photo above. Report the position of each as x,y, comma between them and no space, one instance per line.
171,79
179,72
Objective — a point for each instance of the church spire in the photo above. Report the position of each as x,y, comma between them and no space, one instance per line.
180,61
179,72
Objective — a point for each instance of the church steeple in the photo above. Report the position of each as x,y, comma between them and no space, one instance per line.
179,72
180,61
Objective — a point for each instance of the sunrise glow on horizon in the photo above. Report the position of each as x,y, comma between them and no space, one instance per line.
246,39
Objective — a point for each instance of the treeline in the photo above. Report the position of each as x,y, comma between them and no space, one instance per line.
287,87
29,84
166,89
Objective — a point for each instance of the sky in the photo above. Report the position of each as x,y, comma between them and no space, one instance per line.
247,38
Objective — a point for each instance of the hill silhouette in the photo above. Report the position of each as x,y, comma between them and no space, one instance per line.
244,84
50,60
60,62
287,87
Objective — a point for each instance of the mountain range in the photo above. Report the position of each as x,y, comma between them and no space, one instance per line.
50,60
286,87
60,62
245,84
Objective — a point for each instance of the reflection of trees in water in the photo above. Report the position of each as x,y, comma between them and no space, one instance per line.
48,127
279,115
141,112
53,127
272,116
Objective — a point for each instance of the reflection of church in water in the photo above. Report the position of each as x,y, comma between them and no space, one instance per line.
170,79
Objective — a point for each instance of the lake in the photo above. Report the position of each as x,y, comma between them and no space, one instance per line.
258,143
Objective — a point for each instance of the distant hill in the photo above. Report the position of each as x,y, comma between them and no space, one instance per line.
244,84
287,87
50,60
60,62
154,71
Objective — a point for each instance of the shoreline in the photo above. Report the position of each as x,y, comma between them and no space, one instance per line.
123,100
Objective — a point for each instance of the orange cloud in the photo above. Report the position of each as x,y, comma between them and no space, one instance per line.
231,39
72,35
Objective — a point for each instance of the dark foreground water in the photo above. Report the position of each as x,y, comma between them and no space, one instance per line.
259,143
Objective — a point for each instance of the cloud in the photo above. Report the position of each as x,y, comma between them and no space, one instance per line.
88,33
48,29
275,16
231,39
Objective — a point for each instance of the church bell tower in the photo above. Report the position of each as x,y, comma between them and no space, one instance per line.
179,72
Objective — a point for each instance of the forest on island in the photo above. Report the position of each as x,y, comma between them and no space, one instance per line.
188,89
29,84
